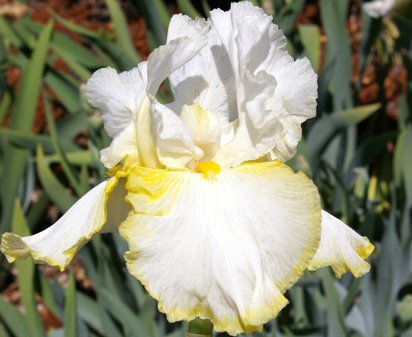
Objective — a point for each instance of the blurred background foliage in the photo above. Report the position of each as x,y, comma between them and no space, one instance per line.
358,150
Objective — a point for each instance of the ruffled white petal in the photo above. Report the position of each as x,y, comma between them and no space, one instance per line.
118,96
175,146
57,244
224,246
274,93
122,100
207,79
123,145
166,59
341,248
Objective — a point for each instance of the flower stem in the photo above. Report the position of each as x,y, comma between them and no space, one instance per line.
200,328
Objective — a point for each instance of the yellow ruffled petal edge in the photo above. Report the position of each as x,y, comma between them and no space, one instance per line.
13,247
223,324
232,326
341,248
340,267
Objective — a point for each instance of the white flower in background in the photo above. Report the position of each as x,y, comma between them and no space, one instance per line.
379,8
218,226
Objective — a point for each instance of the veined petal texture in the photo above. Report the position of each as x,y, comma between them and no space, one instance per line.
223,246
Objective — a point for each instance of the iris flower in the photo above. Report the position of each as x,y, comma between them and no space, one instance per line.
218,226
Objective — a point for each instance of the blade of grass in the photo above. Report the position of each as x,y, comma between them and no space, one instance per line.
68,169
89,312
5,103
25,270
21,120
75,28
54,189
9,34
70,323
66,45
187,8
3,332
335,317
4,64
122,31
47,294
13,319
70,126
154,19
66,92
333,15
288,15
327,127
30,141
310,38
78,158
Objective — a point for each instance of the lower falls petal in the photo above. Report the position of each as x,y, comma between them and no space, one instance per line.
57,244
223,247
341,248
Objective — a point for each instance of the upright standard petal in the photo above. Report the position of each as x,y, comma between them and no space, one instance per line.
275,94
57,244
222,246
122,100
214,89
341,248
118,96
205,100
175,146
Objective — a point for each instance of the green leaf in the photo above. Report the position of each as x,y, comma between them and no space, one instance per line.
333,15
30,141
88,311
75,28
327,127
22,120
25,271
310,38
154,18
67,93
54,189
187,8
288,15
132,324
68,169
9,34
47,294
335,316
78,158
5,102
122,31
70,126
70,324
403,161
13,319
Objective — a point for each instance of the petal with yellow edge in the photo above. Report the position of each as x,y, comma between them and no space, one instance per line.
341,248
57,244
221,244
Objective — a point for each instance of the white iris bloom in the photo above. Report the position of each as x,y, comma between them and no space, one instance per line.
218,226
